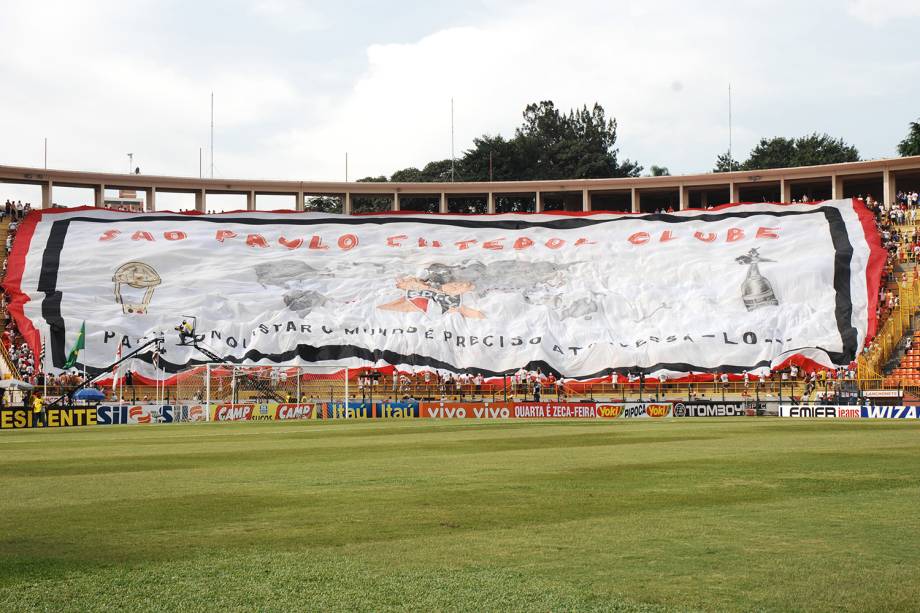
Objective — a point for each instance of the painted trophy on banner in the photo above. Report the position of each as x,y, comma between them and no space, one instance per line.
134,285
756,291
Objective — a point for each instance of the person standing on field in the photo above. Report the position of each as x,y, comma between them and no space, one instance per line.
38,411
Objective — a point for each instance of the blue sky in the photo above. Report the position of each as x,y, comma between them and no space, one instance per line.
297,84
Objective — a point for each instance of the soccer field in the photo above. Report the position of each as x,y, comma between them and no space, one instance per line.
426,515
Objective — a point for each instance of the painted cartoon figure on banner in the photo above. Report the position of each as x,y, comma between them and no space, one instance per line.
439,291
129,279
756,291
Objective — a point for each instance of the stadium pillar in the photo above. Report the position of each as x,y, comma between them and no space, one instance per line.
395,201
836,187
538,202
490,203
733,196
585,200
201,199
636,201
299,206
684,198
46,194
346,204
785,191
889,187
442,206
250,200
150,199
99,193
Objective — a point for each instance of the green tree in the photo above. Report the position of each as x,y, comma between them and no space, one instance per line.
438,171
816,149
725,163
659,171
371,204
577,145
549,144
432,172
407,175
323,204
493,152
775,152
911,143
811,150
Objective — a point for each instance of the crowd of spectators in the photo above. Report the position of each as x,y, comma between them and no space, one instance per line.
16,211
431,384
900,236
19,352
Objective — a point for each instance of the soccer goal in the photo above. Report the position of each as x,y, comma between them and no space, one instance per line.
215,384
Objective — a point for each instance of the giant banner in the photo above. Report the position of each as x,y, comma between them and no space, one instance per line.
733,289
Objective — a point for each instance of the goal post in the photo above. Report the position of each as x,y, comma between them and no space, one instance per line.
215,384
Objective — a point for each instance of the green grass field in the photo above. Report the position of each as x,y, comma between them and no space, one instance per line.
743,514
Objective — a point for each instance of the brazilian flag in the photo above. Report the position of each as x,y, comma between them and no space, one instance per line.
78,346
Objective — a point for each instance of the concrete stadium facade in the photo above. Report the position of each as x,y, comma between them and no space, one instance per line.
878,178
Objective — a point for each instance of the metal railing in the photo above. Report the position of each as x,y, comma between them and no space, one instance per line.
779,389
871,362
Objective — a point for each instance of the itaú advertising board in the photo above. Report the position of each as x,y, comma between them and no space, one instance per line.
739,288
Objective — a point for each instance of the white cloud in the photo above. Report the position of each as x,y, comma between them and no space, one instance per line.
289,15
880,12
97,83
398,113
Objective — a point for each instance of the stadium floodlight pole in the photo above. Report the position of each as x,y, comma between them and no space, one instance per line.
46,153
451,140
212,135
130,162
731,163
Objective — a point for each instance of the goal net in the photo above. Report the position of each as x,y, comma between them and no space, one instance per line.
230,392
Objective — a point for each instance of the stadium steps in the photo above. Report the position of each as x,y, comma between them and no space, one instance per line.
904,365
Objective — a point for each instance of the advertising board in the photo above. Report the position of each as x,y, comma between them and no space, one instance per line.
714,409
633,410
820,411
54,417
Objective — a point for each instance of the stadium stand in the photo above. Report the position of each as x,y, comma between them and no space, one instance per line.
891,359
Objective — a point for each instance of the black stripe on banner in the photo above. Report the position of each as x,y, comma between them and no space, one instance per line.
47,283
566,223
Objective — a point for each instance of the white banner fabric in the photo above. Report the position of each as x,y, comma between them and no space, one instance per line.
732,289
